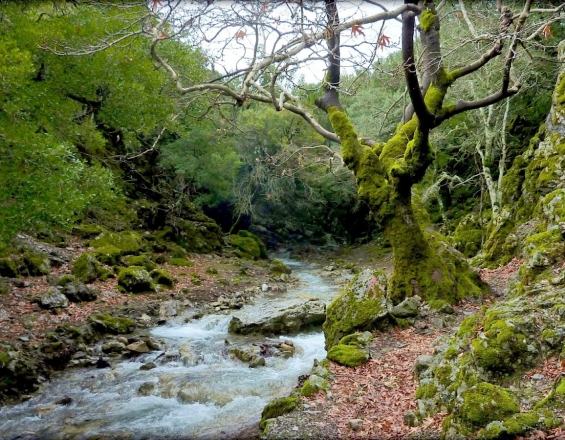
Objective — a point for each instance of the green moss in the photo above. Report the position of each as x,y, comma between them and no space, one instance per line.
36,264
4,286
139,260
500,348
107,323
426,391
313,385
8,267
485,403
86,268
162,277
66,279
428,19
348,355
108,254
277,267
128,242
278,407
248,245
135,279
87,230
182,262
360,306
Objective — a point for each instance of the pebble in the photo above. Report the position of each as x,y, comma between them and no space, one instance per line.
538,376
264,287
355,424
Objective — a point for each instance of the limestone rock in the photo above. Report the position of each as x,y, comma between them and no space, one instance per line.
53,299
138,347
280,319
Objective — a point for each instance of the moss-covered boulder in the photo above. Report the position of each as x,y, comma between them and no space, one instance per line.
34,264
314,384
484,403
110,246
108,323
247,245
135,279
181,262
352,350
468,235
139,260
86,268
162,277
360,306
277,267
278,407
495,346
19,371
87,230
8,267
199,236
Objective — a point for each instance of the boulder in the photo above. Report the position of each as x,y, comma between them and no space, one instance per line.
279,319
162,277
352,350
78,292
113,347
135,279
138,347
360,306
107,323
408,308
86,268
53,299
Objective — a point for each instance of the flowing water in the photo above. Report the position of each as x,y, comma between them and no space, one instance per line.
201,394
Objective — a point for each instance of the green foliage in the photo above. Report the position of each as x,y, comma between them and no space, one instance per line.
60,116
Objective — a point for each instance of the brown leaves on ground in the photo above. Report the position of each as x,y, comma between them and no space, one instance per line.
381,391
21,317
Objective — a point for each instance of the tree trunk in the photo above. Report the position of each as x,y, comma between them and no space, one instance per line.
423,264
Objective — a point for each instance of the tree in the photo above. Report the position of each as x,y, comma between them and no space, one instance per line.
385,171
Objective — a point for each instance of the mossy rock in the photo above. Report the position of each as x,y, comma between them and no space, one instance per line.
35,264
135,279
519,424
277,267
87,230
8,267
5,288
278,407
108,323
314,384
262,247
181,262
348,355
248,245
486,402
162,277
19,371
139,260
86,268
128,242
108,254
63,280
360,306
198,236
500,346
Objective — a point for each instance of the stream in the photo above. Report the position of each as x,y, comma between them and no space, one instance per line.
206,395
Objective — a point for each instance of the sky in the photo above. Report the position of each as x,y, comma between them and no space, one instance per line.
233,46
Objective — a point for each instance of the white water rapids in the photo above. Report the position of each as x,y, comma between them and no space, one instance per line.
208,396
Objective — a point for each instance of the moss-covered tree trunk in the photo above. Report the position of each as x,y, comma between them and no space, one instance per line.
386,172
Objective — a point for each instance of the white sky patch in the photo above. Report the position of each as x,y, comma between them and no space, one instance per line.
230,31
